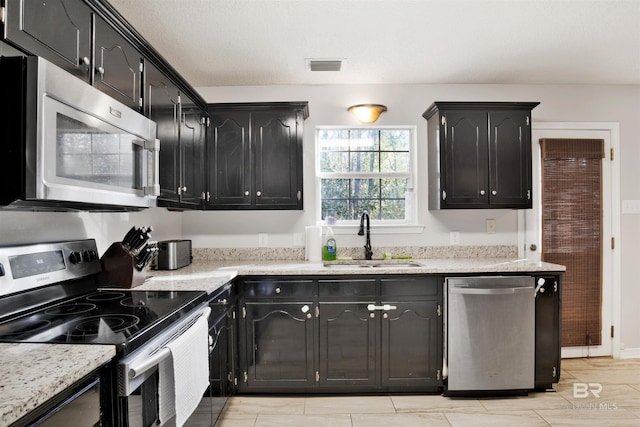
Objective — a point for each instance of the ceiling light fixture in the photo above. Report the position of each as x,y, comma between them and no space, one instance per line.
367,113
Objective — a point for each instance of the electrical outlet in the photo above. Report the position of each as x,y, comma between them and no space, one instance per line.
454,238
263,240
631,207
491,226
298,239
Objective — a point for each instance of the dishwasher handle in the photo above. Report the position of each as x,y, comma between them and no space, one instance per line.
464,290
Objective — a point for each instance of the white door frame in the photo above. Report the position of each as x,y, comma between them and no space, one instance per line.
613,276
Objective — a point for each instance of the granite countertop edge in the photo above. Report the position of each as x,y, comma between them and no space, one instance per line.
32,374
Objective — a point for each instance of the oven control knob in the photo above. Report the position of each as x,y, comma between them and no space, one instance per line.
88,256
75,257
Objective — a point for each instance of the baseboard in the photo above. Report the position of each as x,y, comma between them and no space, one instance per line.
630,353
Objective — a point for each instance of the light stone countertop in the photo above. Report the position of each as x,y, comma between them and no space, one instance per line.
210,275
31,374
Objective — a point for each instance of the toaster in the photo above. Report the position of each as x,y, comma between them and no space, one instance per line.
173,254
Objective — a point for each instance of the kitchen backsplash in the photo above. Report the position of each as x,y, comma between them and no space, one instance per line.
418,252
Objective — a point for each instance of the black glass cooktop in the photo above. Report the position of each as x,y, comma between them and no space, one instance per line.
126,318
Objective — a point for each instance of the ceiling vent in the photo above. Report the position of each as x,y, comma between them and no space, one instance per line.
324,64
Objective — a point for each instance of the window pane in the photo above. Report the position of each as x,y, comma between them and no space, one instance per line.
365,188
334,188
395,140
334,161
364,162
364,140
393,209
339,206
394,162
371,206
333,139
395,188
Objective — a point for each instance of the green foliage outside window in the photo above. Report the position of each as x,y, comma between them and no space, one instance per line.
364,169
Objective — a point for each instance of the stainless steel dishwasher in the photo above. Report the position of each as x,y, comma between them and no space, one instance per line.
489,335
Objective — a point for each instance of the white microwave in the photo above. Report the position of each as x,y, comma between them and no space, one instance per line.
70,145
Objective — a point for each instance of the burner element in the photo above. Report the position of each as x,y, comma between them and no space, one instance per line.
67,309
94,325
105,296
24,327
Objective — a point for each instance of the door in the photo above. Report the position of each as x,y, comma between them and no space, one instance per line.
192,151
465,163
347,344
410,343
57,30
162,105
276,138
230,159
509,159
279,345
532,222
117,66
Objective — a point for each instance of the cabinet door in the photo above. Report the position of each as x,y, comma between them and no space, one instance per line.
547,332
410,344
347,344
277,143
464,159
510,159
192,150
278,345
162,105
230,160
117,66
57,30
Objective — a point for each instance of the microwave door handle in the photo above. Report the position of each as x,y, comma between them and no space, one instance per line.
152,147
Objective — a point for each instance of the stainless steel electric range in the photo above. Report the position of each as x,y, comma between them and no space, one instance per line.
48,294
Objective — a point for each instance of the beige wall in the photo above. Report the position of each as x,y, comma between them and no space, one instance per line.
406,103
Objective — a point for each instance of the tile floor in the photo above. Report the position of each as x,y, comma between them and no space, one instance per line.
618,404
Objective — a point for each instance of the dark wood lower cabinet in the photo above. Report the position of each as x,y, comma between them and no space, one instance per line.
356,334
411,345
277,347
548,303
347,344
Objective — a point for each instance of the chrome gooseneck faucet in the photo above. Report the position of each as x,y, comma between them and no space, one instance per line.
368,253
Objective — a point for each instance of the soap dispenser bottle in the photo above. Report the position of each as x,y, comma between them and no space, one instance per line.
329,249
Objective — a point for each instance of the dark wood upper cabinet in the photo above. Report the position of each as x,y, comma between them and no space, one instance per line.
117,66
255,155
192,153
58,30
479,155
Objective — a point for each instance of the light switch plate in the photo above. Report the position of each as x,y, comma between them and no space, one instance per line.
491,226
263,240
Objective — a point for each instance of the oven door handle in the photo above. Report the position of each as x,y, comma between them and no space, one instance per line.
149,363
152,361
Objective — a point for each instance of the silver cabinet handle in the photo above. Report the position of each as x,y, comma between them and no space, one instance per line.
494,192
386,307
259,193
86,60
278,290
482,192
101,70
246,193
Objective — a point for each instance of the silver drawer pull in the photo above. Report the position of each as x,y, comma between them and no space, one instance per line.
386,307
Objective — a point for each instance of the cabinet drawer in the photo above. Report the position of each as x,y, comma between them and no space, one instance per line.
277,288
347,288
425,286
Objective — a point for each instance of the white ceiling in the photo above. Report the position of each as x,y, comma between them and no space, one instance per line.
266,42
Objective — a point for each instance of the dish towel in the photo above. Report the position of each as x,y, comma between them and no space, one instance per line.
184,376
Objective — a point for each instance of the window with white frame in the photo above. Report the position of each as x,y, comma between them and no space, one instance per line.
368,169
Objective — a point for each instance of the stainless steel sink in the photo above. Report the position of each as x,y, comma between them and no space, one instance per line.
378,264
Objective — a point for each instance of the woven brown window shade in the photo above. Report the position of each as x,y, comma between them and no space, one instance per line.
572,232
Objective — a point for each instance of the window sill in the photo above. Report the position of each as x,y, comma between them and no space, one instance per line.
344,229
